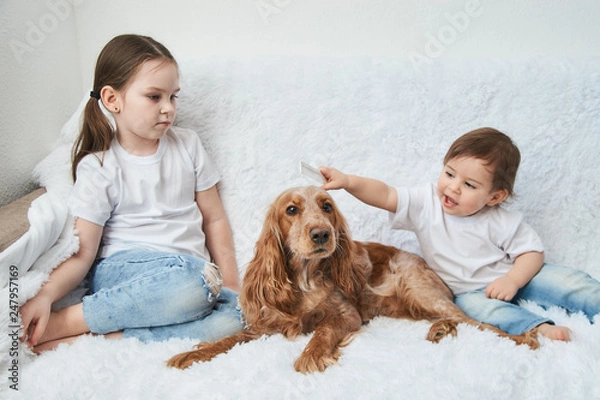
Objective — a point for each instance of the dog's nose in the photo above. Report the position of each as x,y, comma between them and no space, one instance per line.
320,235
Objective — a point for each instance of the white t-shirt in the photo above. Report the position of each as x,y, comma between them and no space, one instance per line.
468,253
146,202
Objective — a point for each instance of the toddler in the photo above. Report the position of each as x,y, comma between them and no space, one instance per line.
488,256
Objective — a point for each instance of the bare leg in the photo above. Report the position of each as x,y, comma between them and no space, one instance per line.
52,344
555,332
65,326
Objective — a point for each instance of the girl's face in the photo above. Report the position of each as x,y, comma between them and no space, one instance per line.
465,187
147,107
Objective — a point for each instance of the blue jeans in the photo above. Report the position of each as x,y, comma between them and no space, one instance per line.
155,296
554,285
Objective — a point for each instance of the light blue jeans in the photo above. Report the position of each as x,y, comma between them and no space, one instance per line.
155,296
554,285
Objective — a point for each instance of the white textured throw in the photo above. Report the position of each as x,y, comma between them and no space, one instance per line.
258,118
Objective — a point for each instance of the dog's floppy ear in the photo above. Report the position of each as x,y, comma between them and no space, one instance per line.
347,269
266,282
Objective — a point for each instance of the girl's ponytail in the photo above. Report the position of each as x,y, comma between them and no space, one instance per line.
96,134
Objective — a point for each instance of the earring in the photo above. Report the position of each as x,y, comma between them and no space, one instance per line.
116,109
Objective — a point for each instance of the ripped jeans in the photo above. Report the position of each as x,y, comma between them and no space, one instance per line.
155,296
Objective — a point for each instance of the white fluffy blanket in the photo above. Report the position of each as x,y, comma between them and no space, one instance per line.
377,117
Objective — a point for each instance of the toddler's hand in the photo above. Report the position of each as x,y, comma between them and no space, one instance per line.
334,179
502,288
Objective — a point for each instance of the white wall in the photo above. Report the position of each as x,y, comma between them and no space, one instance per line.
40,83
492,28
40,92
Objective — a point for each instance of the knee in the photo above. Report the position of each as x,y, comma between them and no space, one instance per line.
205,272
196,288
471,299
480,307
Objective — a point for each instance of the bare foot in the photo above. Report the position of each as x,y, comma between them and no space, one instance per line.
52,344
66,323
555,332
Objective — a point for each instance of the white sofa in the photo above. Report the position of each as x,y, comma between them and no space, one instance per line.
380,117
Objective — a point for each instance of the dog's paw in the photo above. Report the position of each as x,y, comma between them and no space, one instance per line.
529,338
310,362
441,329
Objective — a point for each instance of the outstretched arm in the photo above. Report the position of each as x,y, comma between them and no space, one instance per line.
370,191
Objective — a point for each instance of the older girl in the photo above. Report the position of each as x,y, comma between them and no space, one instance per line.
148,216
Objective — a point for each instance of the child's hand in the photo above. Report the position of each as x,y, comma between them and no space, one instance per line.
34,316
334,179
502,288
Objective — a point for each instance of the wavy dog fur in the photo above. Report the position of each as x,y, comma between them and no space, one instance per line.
308,275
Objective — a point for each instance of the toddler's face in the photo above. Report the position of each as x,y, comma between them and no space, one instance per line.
465,187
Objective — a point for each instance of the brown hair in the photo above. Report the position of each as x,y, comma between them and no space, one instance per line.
496,149
118,62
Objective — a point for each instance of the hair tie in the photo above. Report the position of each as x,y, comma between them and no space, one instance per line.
95,95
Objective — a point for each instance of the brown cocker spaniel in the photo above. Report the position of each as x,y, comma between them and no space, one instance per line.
308,275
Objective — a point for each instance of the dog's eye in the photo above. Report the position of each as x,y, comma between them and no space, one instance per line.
328,208
292,210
